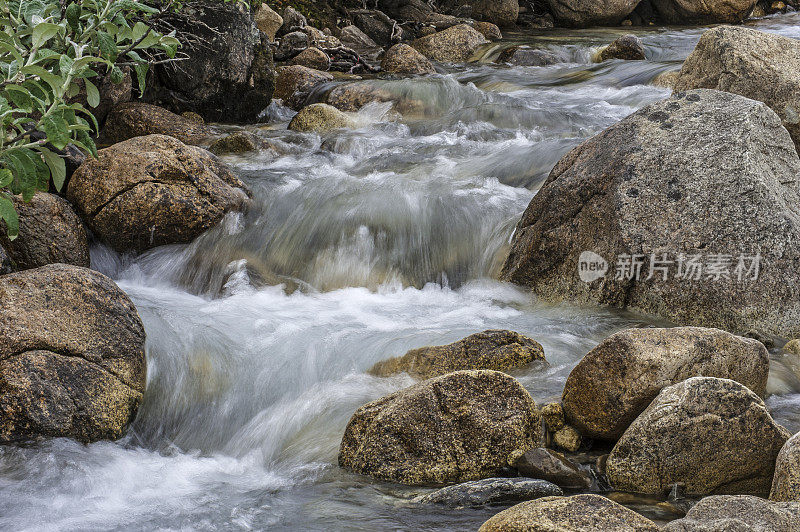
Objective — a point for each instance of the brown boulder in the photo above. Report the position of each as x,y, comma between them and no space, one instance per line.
154,190
402,59
136,119
786,482
294,83
494,349
312,58
453,45
49,232
459,427
72,360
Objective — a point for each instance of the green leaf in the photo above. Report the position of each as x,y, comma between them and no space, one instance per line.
73,15
48,77
20,97
6,177
92,94
57,131
107,45
116,75
141,75
58,169
9,215
43,32
139,31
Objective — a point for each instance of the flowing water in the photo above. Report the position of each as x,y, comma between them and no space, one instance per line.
359,247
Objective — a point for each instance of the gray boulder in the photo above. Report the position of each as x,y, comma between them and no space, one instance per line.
453,45
521,56
627,47
737,513
490,491
712,435
459,427
786,483
704,188
579,513
754,64
701,12
619,378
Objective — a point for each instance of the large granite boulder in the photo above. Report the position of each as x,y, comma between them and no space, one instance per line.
49,232
582,13
294,84
494,349
403,60
154,190
459,427
757,65
619,378
136,119
453,45
702,190
579,513
228,76
714,436
501,12
737,513
786,483
700,12
72,360
320,118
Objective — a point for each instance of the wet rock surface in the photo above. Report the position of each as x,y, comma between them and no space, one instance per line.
320,118
552,466
456,428
495,350
490,491
627,47
453,45
737,513
401,59
136,119
294,84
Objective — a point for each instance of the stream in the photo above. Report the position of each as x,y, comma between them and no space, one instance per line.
360,246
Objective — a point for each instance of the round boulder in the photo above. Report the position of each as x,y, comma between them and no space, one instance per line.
404,60
453,45
627,47
312,58
488,30
294,83
786,483
154,190
320,118
737,513
701,12
496,350
504,13
459,427
714,436
521,56
579,513
136,119
619,378
651,215
49,232
72,360
583,13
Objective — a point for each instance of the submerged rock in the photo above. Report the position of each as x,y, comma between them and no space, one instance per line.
402,59
351,97
72,360
453,45
737,513
490,491
554,467
49,232
712,435
786,482
702,12
154,190
627,47
579,513
320,118
136,119
521,56
459,427
294,83
582,13
619,378
657,189
496,350
754,64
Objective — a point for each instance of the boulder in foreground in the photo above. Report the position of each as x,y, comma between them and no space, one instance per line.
72,360
704,188
136,119
459,427
154,190
754,64
494,349
714,436
579,513
786,482
619,378
737,513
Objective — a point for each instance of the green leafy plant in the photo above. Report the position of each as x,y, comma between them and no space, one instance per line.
51,54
